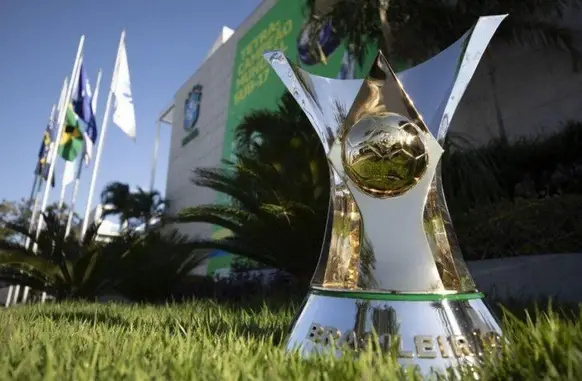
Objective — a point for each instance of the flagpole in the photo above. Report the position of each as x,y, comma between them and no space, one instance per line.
104,124
31,200
63,192
80,169
155,156
35,206
36,193
48,182
68,165
29,205
15,294
60,124
8,296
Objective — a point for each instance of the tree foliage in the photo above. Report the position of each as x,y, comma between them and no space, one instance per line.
20,213
141,267
414,30
134,208
279,191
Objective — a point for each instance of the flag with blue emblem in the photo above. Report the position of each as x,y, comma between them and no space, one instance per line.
44,153
83,107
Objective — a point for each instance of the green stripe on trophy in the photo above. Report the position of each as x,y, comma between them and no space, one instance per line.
388,296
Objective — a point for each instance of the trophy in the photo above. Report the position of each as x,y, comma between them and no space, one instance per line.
391,271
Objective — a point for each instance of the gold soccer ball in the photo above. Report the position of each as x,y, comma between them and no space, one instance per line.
384,155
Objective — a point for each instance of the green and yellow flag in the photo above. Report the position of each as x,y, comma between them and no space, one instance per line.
71,142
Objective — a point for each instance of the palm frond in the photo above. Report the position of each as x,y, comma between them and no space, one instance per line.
225,216
278,185
29,277
83,268
19,258
20,229
14,247
91,234
225,181
235,245
30,270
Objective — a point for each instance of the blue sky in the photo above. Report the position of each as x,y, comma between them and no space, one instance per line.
166,42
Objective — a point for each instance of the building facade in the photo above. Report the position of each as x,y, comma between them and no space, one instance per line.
527,91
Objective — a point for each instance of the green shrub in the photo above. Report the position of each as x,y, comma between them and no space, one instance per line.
527,167
521,227
516,198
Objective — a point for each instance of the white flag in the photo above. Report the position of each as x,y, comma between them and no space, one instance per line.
123,114
69,173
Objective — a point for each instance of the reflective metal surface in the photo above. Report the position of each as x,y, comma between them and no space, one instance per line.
432,334
384,154
389,233
390,230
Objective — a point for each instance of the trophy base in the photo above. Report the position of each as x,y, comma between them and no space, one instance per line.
428,331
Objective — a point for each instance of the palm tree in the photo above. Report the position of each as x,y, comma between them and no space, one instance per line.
130,206
414,30
155,265
117,199
9,212
60,266
147,206
279,187
20,213
142,267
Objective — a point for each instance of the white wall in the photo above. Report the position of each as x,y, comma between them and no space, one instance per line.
537,90
215,75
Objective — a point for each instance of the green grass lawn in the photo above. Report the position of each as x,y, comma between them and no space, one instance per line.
207,341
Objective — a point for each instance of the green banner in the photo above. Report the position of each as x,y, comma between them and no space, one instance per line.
255,85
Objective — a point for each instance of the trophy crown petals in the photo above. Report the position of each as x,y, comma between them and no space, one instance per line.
325,101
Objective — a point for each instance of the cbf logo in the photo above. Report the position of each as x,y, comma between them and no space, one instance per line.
191,113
